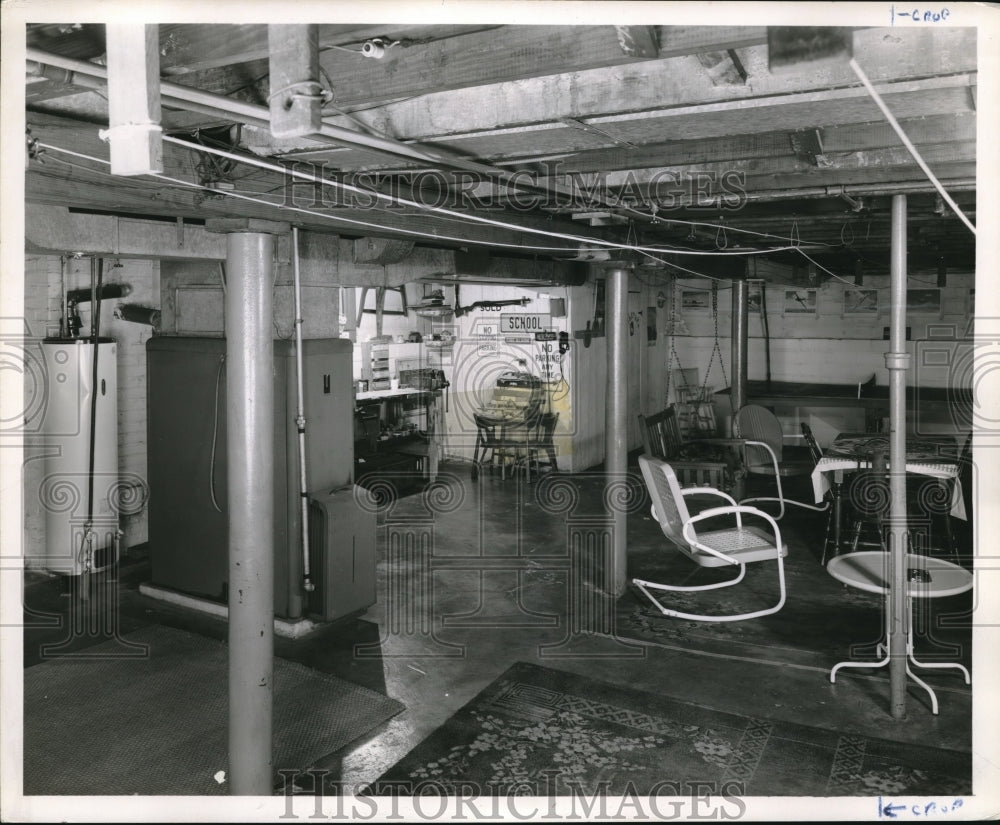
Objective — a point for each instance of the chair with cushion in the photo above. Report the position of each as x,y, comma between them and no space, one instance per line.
765,453
736,545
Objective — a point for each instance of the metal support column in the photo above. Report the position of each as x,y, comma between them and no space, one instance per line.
897,361
616,410
250,450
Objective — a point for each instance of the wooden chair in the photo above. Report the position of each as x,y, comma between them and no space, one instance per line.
488,444
695,463
514,444
541,442
816,453
738,545
764,453
522,443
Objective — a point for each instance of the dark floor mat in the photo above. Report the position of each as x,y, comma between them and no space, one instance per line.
148,714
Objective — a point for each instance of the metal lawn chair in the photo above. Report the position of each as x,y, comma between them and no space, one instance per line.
737,545
764,453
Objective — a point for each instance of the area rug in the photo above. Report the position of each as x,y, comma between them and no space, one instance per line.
542,732
822,622
114,723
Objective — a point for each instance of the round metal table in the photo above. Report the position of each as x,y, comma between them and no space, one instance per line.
927,578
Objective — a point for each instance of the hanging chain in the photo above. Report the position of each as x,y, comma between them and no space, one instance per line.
672,356
716,350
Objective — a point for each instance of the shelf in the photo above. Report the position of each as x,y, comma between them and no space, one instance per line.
433,312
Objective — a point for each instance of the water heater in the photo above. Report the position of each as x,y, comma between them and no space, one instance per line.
73,496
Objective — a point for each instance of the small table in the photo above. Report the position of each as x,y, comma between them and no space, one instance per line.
928,578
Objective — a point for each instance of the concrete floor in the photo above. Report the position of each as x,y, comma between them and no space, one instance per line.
494,593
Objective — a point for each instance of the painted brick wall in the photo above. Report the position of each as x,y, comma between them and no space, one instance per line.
830,345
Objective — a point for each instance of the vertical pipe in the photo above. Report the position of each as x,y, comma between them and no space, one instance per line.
250,446
616,410
741,317
897,361
300,417
93,299
739,345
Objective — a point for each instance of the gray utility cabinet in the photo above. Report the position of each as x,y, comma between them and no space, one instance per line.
188,518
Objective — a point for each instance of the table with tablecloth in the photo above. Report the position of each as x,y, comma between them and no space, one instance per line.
934,456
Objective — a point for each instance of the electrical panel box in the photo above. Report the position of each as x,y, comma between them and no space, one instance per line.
188,518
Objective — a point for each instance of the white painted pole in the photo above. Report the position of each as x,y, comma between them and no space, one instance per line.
250,451
616,411
897,361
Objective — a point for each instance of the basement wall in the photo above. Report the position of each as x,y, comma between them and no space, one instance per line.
830,346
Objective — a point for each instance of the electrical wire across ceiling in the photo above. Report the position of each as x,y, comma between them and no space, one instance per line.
596,244
196,100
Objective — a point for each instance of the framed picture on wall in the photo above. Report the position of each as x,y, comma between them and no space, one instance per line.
924,301
696,300
859,301
800,301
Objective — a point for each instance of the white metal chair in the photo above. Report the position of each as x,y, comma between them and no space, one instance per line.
736,546
764,453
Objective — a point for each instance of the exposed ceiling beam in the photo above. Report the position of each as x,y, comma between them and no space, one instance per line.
241,112
833,109
638,41
70,184
189,47
647,86
467,60
921,131
811,109
666,184
724,68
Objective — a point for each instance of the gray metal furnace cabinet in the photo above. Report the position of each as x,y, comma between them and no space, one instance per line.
188,519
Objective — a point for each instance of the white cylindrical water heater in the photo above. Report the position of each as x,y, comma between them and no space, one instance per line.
73,497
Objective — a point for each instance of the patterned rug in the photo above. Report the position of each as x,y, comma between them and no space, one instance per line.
542,732
148,714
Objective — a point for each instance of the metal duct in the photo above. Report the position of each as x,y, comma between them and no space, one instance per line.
381,250
85,294
138,314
